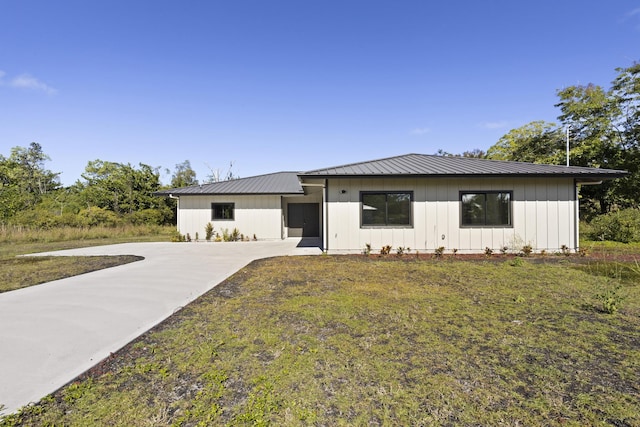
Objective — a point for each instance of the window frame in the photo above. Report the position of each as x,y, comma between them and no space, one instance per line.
230,205
386,194
485,193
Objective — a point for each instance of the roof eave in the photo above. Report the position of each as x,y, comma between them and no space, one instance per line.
179,194
577,176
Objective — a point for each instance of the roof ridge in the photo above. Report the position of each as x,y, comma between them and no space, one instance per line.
362,162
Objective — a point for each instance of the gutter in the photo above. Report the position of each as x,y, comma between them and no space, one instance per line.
589,182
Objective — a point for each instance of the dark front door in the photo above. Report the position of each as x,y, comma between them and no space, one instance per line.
304,220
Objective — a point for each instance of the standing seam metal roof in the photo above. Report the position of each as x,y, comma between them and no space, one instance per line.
406,165
433,165
274,183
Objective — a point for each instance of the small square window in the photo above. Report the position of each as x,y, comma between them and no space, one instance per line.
222,211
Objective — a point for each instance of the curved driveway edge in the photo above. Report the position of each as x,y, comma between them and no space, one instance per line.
53,332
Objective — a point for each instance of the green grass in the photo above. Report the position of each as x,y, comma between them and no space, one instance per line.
16,273
370,341
19,272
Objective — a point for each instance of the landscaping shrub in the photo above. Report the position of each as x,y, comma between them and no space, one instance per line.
619,226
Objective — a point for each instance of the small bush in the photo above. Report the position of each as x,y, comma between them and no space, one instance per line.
208,231
386,250
440,251
517,262
93,216
526,250
488,251
619,226
401,250
610,299
367,249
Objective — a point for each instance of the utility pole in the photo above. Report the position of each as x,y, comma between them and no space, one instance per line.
568,129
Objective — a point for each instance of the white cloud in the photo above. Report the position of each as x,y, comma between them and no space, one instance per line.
28,82
420,131
634,12
495,125
632,15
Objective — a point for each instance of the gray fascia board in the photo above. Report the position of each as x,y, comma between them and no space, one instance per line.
577,176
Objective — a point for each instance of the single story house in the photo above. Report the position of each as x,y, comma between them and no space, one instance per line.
416,201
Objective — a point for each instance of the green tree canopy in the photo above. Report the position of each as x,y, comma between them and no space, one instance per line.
118,187
604,132
183,175
535,142
24,179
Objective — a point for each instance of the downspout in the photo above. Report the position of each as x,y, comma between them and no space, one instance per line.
282,236
171,196
576,226
325,220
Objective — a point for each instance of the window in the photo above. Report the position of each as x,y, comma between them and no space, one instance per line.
387,209
486,209
222,211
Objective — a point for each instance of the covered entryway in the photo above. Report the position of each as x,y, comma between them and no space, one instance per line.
304,219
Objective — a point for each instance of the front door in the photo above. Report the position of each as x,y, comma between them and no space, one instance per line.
304,219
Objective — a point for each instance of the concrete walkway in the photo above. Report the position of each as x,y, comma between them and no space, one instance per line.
53,332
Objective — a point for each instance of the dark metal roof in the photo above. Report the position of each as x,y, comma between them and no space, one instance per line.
441,166
416,165
274,183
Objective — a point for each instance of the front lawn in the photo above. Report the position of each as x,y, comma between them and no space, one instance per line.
20,272
350,340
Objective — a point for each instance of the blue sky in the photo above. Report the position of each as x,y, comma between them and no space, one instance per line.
292,85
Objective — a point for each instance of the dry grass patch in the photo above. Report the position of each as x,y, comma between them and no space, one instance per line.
21,272
367,341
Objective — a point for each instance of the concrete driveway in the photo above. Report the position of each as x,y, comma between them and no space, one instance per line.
53,332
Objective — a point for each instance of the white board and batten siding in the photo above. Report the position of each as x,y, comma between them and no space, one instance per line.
253,214
543,215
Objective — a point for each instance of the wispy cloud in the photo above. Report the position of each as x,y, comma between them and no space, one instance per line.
494,125
420,131
26,81
633,15
634,12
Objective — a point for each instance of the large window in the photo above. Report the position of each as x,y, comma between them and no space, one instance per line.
486,209
386,209
222,211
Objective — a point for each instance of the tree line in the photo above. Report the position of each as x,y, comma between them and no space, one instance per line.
603,128
107,194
